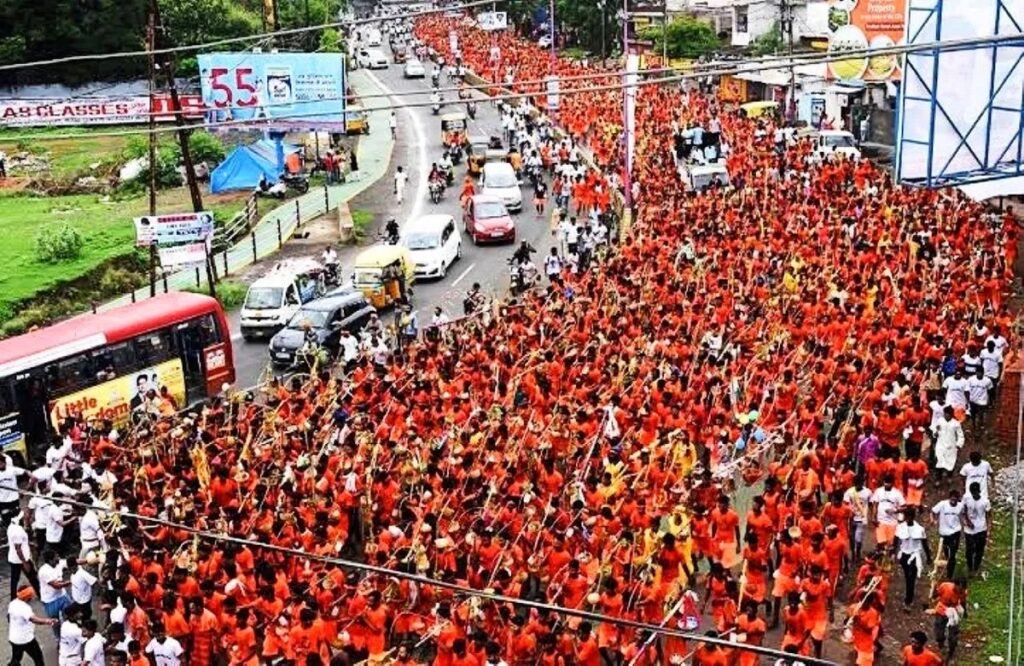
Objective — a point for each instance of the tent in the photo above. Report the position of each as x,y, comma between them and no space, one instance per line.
244,167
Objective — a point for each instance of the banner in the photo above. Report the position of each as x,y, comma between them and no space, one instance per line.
552,92
282,90
492,20
95,111
183,256
863,24
115,399
630,79
171,229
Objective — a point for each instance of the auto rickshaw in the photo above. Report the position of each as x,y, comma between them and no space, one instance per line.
758,109
384,274
453,129
476,154
357,121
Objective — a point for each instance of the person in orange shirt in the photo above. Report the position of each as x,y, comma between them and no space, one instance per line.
306,638
725,530
817,592
586,651
710,654
796,625
916,653
866,624
374,619
460,656
750,630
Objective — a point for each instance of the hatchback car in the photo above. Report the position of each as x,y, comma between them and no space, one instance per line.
486,220
326,317
414,69
372,59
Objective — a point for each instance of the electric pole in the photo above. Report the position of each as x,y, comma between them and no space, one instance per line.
786,20
151,45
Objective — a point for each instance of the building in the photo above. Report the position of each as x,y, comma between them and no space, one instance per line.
754,18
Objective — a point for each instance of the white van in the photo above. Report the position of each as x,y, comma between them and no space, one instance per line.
698,177
274,298
837,142
498,179
435,244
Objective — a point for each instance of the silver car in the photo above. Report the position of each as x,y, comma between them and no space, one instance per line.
414,69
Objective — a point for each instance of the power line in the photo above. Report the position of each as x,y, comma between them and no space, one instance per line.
424,580
236,40
711,70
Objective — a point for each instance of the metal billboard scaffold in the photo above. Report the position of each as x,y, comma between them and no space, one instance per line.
961,108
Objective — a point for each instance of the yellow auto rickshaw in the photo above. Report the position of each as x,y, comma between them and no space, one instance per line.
357,121
758,109
476,154
453,129
384,274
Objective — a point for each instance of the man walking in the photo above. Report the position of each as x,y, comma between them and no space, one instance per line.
977,510
401,178
948,514
20,632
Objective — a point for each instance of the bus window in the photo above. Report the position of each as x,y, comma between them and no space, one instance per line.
153,348
110,361
70,374
190,342
209,330
33,404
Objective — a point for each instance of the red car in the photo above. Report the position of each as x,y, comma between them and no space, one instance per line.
487,220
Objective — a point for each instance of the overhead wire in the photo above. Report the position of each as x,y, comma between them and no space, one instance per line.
424,580
247,38
713,69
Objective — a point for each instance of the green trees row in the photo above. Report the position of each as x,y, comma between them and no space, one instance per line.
33,30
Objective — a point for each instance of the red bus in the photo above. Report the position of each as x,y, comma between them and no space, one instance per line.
103,365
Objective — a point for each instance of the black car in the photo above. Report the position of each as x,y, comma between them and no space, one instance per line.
325,317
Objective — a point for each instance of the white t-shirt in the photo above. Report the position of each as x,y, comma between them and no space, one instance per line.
37,505
956,391
166,654
1001,343
16,535
9,483
911,538
948,516
19,617
976,474
47,575
70,646
978,388
887,501
92,653
990,362
81,586
976,511
858,501
89,528
54,516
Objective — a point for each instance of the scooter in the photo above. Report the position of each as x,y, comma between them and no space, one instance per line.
471,110
522,277
331,274
455,154
436,188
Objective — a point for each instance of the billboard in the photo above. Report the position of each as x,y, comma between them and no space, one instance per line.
862,24
492,20
115,399
171,229
182,256
95,110
294,91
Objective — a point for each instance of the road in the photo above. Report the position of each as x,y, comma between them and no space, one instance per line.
417,146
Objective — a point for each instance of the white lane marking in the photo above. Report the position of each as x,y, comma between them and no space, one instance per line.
421,140
463,274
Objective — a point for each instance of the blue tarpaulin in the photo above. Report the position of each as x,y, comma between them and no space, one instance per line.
244,167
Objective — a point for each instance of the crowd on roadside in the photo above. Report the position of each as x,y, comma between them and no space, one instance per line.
811,342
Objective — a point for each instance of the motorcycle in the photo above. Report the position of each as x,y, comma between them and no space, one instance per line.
471,110
436,108
435,80
455,154
331,276
436,188
297,181
522,277
449,175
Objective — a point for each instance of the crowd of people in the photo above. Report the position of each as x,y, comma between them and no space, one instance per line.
732,426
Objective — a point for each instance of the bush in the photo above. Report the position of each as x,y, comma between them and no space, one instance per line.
117,280
231,294
205,147
57,243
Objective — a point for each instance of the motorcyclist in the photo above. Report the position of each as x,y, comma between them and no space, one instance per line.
474,299
435,75
468,190
391,230
330,256
523,252
435,173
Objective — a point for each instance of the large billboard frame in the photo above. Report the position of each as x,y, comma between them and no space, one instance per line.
961,109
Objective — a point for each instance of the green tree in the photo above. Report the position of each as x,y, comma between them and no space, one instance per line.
768,43
198,21
331,41
584,19
686,37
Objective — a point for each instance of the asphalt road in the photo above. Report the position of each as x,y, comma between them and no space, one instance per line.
418,145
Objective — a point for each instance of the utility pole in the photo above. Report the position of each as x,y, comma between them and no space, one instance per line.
664,33
786,20
186,152
151,46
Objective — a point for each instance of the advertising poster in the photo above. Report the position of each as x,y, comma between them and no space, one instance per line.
171,229
492,20
861,24
183,256
95,111
283,90
116,398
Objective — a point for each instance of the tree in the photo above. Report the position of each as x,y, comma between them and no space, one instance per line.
584,17
199,21
331,42
686,37
768,43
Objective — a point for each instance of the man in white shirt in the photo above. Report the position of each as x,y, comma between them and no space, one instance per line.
91,533
19,554
956,390
81,587
52,585
166,650
992,361
400,180
887,502
976,470
69,648
949,515
979,388
912,545
949,439
93,650
553,266
55,520
9,498
977,511
20,632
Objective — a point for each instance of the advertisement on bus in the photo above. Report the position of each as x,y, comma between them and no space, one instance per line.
117,398
281,90
857,25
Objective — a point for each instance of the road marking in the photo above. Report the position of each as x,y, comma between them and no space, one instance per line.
464,274
421,140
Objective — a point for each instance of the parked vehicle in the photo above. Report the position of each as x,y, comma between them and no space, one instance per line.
435,244
698,177
486,220
357,121
320,322
273,299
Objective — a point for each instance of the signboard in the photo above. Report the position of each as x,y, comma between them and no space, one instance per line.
171,229
181,256
95,110
492,20
11,436
731,89
282,90
552,95
115,399
862,24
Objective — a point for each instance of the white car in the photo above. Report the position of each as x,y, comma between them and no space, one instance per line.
841,142
697,177
498,179
544,42
372,59
434,243
414,69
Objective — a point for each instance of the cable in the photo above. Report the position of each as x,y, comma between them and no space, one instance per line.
424,580
236,40
769,63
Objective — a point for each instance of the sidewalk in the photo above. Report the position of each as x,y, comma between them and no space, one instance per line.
278,225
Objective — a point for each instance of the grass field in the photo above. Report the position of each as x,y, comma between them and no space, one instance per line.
69,156
985,627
